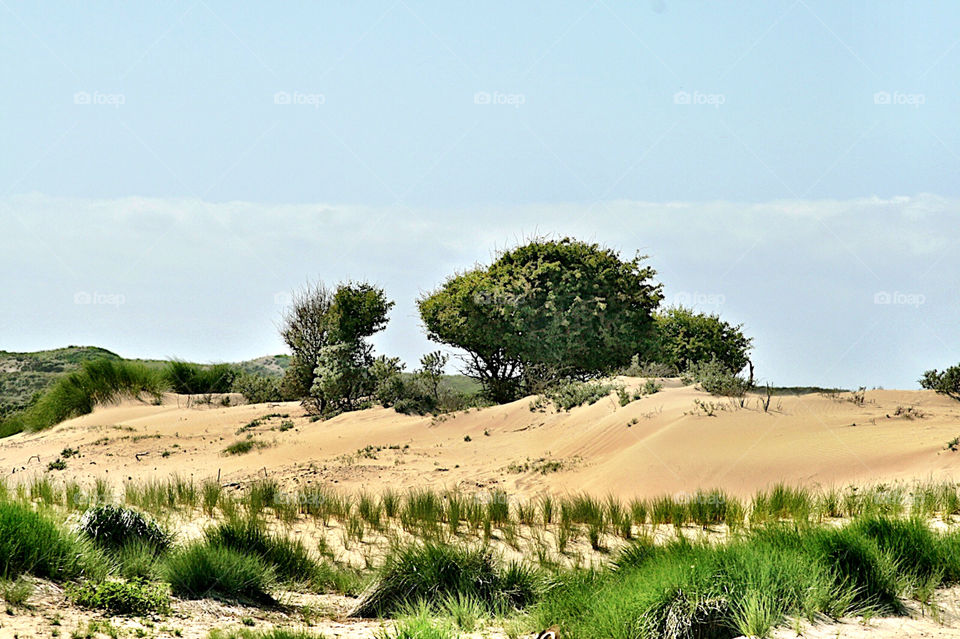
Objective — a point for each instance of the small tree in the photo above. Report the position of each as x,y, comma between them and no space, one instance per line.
946,382
327,332
305,328
431,372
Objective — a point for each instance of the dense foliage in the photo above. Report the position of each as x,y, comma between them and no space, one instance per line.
542,312
946,382
685,338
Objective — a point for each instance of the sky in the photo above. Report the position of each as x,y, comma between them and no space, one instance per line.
172,171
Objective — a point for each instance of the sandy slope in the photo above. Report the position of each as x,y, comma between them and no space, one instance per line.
662,443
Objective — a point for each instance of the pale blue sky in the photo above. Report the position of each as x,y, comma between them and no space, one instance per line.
780,161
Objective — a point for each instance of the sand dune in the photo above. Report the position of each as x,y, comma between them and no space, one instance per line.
660,444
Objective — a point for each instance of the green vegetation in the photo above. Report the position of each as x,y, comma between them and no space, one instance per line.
432,572
244,446
193,379
327,332
76,393
121,597
946,382
749,585
202,569
33,543
25,376
543,312
113,526
572,394
684,339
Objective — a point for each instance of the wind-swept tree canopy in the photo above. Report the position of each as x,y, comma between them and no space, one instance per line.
545,311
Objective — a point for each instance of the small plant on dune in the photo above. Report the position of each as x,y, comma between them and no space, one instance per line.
244,446
569,395
57,464
120,597
953,444
16,592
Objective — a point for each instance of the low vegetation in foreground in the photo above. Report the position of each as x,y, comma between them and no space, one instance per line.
443,564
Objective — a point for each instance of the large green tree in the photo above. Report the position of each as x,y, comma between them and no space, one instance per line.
544,311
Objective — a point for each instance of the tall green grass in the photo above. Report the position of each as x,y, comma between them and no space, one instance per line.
754,582
432,572
75,394
33,543
193,379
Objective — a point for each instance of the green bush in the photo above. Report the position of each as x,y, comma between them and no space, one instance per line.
684,339
33,543
258,389
432,571
203,570
115,526
572,394
120,597
716,379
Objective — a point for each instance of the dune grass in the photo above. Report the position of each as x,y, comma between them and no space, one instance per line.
202,570
752,583
433,573
76,393
33,543
193,379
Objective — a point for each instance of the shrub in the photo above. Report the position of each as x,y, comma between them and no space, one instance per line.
433,571
120,597
684,339
258,389
572,394
207,570
33,543
946,382
115,526
716,379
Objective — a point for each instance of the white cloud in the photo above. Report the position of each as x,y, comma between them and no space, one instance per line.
199,278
